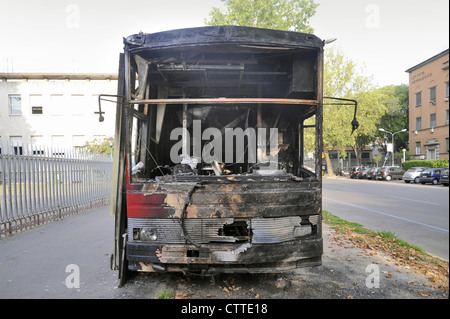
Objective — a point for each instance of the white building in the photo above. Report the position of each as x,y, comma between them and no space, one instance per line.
55,109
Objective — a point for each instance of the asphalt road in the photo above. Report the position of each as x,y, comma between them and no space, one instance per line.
69,259
416,213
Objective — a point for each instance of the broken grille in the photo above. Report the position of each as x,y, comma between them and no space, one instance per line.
222,230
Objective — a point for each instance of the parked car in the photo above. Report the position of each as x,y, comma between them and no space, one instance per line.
372,173
390,172
363,173
340,171
444,177
413,174
430,175
355,170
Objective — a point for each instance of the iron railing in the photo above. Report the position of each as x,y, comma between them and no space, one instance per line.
42,184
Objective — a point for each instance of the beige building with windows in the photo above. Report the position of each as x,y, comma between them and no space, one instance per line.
429,108
54,109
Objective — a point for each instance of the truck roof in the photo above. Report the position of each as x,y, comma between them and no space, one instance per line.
216,35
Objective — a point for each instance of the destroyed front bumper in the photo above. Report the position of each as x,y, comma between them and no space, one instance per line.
259,224
223,258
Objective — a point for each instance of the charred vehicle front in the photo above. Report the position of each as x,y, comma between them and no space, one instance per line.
211,165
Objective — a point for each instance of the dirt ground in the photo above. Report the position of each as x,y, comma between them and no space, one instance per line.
347,272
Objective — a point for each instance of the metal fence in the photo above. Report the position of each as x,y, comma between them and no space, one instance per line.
42,184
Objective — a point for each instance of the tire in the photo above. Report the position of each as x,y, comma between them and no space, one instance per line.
435,182
388,178
407,182
417,180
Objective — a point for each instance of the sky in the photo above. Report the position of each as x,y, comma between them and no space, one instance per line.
384,37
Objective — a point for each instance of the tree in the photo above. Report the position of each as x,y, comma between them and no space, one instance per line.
377,158
343,79
370,110
99,146
287,15
396,117
341,76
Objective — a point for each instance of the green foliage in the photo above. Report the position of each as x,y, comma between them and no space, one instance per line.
165,294
396,118
377,158
99,146
342,225
370,110
287,15
343,78
441,163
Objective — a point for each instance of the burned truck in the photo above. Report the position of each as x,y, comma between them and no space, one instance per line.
212,173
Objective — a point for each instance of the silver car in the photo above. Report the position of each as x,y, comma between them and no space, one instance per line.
413,174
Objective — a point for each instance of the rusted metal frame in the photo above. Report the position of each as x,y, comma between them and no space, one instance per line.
319,131
220,71
319,118
226,101
198,67
118,169
139,115
118,198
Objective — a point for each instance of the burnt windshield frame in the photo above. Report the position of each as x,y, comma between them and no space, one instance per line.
140,75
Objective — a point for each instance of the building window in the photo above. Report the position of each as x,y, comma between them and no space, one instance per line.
433,94
36,110
58,140
446,89
447,117
36,104
57,104
418,148
431,153
419,99
37,142
16,145
446,145
78,141
433,120
78,104
15,104
418,123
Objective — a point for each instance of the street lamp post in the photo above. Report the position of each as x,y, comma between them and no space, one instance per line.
392,134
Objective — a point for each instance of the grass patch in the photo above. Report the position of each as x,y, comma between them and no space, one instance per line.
165,294
345,227
403,253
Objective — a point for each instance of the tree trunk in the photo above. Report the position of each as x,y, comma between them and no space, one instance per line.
330,171
357,155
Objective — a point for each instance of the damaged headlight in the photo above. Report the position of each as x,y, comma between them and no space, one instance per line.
302,230
148,234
